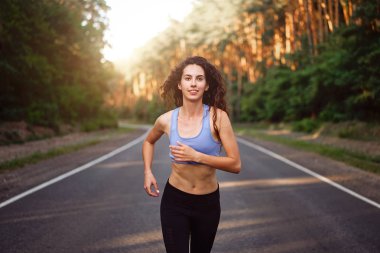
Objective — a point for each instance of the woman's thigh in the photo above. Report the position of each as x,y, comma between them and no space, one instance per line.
203,230
175,223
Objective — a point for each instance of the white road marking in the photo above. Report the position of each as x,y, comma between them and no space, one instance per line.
307,171
74,171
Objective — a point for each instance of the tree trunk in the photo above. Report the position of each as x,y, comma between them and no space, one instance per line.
346,15
313,26
336,16
331,14
308,29
320,22
326,18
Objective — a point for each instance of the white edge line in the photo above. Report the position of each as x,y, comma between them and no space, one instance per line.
74,171
312,173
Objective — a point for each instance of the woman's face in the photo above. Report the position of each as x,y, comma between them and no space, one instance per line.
193,82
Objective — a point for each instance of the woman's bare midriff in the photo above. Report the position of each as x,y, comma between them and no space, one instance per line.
194,178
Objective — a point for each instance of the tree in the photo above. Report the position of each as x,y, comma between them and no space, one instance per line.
51,61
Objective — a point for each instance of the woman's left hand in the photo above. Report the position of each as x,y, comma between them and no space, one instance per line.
183,153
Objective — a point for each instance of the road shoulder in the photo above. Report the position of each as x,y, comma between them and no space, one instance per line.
362,182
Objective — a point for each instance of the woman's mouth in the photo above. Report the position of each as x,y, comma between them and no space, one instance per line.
193,92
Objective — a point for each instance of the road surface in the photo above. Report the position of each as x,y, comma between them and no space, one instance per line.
270,207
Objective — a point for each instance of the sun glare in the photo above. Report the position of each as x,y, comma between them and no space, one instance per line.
133,22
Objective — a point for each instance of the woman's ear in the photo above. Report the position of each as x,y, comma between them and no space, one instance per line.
179,86
206,89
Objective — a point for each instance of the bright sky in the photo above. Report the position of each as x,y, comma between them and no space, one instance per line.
133,22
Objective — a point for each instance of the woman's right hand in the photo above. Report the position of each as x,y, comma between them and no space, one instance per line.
148,182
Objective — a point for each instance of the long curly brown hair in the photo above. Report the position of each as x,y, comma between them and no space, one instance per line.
213,97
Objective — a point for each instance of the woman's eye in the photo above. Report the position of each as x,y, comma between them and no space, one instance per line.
200,78
187,78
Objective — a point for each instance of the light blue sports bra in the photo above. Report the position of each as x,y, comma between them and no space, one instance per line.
203,142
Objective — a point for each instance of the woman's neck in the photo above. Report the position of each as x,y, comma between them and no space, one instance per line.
191,110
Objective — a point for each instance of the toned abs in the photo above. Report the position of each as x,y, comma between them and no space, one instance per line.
194,179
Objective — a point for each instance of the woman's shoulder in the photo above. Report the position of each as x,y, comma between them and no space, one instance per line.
165,118
221,116
219,113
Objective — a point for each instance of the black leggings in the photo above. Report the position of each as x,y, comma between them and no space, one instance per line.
185,216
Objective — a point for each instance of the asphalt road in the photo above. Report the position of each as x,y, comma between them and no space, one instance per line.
269,207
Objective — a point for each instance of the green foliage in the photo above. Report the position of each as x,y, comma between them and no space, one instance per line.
52,69
342,84
50,60
44,114
305,125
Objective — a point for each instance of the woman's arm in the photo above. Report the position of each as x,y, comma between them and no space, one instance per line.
148,152
230,163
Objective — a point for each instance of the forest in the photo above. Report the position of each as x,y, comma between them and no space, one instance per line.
51,66
282,61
